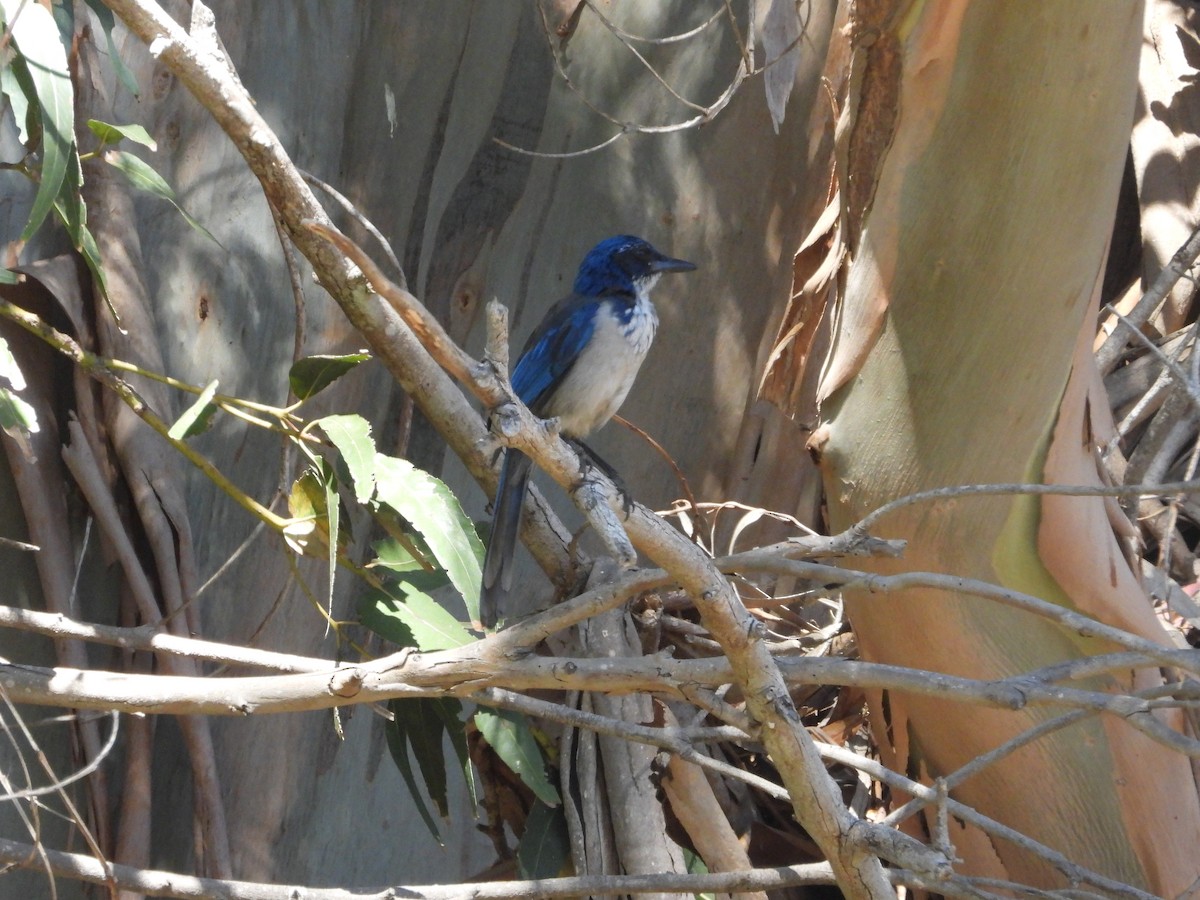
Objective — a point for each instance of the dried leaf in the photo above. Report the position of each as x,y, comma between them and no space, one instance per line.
814,272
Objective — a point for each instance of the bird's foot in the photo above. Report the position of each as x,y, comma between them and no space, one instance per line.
592,460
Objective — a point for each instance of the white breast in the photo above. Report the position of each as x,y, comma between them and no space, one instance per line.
599,381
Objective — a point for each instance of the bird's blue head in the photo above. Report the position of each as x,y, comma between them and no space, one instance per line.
624,265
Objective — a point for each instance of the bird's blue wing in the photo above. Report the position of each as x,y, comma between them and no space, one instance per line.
553,348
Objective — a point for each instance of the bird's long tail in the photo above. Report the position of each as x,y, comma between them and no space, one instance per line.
506,525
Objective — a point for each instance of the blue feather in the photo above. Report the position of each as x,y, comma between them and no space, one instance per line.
552,349
578,364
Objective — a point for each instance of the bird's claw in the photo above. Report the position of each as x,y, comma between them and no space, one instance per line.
589,463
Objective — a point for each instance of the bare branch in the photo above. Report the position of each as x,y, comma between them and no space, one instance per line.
1076,874
351,210
60,783
1058,490
157,883
1184,259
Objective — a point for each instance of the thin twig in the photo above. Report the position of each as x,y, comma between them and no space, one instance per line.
77,775
353,211
1071,870
1184,258
869,521
671,39
1189,388
95,367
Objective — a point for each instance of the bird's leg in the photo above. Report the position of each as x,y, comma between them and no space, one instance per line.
593,459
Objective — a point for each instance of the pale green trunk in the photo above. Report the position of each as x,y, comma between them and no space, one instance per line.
970,285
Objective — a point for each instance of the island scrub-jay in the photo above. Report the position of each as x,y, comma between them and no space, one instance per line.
578,365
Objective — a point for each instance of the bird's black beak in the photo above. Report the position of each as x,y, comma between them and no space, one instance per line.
667,264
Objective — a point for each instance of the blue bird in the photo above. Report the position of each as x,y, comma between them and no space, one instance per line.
578,365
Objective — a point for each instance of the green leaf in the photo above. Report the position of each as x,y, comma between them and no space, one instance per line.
105,15
91,255
8,276
377,611
450,711
544,846
43,56
16,413
398,747
419,582
332,516
69,203
143,177
412,620
114,134
351,434
140,174
395,557
19,91
694,864
313,374
308,504
9,369
196,418
419,723
435,512
508,734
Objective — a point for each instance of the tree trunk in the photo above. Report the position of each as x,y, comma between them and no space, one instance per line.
983,151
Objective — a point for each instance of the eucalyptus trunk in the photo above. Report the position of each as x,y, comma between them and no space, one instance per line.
983,150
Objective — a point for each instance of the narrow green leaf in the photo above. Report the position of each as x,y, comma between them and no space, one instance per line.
114,134
398,747
35,35
694,863
105,15
435,512
69,204
196,418
8,276
332,516
91,255
418,721
140,174
544,845
16,413
9,369
313,374
19,95
508,734
411,618
695,866
450,711
143,177
351,434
